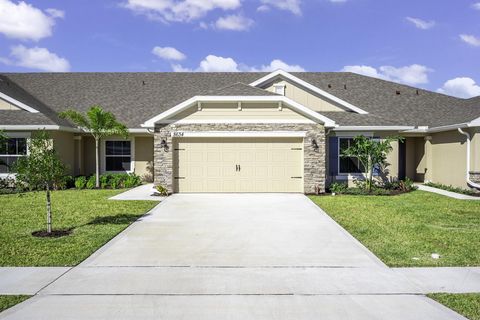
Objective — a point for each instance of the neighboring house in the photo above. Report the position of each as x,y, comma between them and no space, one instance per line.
245,132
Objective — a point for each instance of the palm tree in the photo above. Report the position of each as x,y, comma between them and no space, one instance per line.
99,124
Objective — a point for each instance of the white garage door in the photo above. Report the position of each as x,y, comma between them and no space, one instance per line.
238,165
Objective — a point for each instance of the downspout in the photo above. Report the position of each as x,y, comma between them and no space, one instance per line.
469,182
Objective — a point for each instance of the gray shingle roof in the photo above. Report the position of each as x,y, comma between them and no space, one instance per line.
137,97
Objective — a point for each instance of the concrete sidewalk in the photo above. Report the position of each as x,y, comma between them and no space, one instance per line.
446,193
143,192
27,280
450,280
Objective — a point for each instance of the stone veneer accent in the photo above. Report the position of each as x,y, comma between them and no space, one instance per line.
314,161
475,176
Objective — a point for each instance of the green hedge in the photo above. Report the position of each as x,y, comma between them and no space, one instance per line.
109,181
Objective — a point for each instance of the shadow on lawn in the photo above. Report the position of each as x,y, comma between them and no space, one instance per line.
116,219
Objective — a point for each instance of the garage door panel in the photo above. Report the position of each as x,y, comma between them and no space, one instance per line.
266,164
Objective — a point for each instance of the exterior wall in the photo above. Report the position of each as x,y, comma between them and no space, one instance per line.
229,111
305,97
5,105
64,144
144,157
88,155
447,159
410,163
314,161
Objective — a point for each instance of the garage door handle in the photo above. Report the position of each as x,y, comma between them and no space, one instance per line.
296,177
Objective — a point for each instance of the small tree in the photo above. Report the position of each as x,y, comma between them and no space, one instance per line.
370,153
99,124
41,168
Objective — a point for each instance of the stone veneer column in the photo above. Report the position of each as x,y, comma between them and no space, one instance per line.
475,176
314,160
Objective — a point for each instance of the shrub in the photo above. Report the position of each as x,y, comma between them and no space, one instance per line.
338,187
80,182
162,190
105,180
66,182
91,182
132,180
117,181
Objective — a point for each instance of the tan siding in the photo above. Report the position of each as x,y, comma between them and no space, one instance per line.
305,97
229,111
410,163
448,158
5,105
64,145
475,157
88,155
144,157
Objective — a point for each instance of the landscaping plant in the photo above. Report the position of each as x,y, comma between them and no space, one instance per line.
99,124
371,153
41,169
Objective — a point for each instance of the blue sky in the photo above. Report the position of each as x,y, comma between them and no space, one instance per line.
429,44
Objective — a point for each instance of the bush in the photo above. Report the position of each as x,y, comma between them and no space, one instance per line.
80,182
67,182
91,182
132,181
338,187
162,190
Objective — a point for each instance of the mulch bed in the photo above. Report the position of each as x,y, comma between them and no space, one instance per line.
53,234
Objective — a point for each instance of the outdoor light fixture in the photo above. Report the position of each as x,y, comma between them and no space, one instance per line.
164,145
314,145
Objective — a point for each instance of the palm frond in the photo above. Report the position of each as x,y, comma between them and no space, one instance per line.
77,118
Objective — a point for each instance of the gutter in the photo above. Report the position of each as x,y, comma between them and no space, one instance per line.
469,182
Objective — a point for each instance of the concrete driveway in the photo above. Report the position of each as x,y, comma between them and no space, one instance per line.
241,256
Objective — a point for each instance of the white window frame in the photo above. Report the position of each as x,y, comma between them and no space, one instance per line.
25,135
103,155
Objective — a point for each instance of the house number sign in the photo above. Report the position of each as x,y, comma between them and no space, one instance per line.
178,134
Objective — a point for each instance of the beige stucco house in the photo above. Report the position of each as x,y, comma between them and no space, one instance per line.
245,132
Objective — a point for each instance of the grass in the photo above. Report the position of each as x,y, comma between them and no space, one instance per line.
467,304
9,301
452,189
404,230
92,218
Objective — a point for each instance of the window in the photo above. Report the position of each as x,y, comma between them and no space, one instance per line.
118,156
348,164
10,151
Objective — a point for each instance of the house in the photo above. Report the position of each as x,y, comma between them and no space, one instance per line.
245,132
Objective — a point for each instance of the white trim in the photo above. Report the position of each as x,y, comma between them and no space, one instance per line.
373,128
38,127
231,121
190,102
308,86
17,103
351,134
138,130
230,134
103,155
467,178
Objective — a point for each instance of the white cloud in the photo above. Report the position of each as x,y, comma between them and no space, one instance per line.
337,1
234,22
421,24
289,5
23,21
461,87
413,75
263,8
213,63
476,6
37,58
279,64
470,39
179,10
55,13
168,53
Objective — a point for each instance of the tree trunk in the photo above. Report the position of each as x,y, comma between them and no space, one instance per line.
49,211
97,164
370,174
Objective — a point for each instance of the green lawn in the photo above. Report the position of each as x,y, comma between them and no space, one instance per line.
92,218
467,304
9,301
405,230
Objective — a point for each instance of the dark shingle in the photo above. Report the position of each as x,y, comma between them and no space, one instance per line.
137,97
